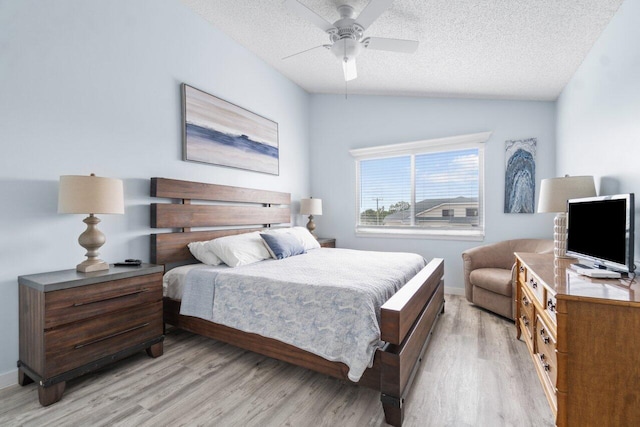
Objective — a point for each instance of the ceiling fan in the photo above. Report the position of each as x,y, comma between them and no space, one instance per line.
347,33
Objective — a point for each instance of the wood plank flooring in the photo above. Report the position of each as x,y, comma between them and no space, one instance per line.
475,373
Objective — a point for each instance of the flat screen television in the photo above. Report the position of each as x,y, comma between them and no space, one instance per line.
601,229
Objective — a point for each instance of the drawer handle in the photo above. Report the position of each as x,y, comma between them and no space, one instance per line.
521,269
139,291
525,320
534,284
545,338
545,365
525,300
111,336
551,306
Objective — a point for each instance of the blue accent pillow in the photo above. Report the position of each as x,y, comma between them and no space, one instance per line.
282,245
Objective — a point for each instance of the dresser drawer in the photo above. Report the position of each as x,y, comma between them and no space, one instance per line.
550,306
536,287
522,273
526,316
546,352
79,343
75,304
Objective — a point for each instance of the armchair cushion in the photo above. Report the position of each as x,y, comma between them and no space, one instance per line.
496,280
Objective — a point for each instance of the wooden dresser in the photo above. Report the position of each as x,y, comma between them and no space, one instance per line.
583,335
72,323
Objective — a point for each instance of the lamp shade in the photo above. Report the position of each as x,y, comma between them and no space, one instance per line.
311,206
81,194
554,192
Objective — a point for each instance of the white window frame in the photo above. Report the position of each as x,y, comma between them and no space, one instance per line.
475,140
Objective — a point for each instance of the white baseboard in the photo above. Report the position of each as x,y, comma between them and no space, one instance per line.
453,291
8,379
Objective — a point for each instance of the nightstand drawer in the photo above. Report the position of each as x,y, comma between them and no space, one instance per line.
74,304
76,344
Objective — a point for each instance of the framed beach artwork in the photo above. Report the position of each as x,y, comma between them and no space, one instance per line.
520,176
220,133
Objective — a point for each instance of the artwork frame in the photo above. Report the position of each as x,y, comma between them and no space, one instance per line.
520,175
218,132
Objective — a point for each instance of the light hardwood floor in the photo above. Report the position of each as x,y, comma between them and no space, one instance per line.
475,373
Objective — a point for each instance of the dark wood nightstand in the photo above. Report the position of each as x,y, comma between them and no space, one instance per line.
326,242
72,323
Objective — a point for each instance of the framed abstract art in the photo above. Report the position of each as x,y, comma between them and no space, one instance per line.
520,176
218,132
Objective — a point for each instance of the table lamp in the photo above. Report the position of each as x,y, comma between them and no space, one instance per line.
554,193
81,194
311,207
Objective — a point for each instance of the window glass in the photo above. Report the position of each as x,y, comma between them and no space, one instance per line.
421,188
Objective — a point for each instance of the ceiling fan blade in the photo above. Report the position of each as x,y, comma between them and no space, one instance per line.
350,69
372,11
326,46
392,45
308,14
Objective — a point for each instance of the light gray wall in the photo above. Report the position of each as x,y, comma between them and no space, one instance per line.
599,112
94,86
338,125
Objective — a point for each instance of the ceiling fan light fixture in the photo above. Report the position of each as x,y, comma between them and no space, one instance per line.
346,48
346,34
350,70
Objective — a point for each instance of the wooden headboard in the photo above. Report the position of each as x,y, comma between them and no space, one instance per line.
225,209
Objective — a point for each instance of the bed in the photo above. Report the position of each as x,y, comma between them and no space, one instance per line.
406,319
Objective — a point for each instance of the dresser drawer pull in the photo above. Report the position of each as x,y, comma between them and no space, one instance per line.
545,338
545,365
111,336
139,291
521,269
525,301
534,284
525,320
550,305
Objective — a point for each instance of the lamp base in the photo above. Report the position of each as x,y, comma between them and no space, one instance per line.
92,239
311,226
560,236
90,265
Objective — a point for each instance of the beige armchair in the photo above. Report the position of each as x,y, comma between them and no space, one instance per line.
489,276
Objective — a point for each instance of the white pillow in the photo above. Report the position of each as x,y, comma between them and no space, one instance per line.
203,252
303,235
308,241
241,249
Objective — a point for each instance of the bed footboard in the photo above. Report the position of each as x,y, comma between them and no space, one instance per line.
407,320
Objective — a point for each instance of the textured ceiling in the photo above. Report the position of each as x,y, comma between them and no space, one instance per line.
500,49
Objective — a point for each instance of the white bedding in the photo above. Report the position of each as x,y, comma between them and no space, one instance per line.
326,301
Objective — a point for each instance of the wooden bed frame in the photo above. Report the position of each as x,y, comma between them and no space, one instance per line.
407,318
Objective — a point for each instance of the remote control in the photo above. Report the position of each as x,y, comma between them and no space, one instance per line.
129,263
599,274
578,265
